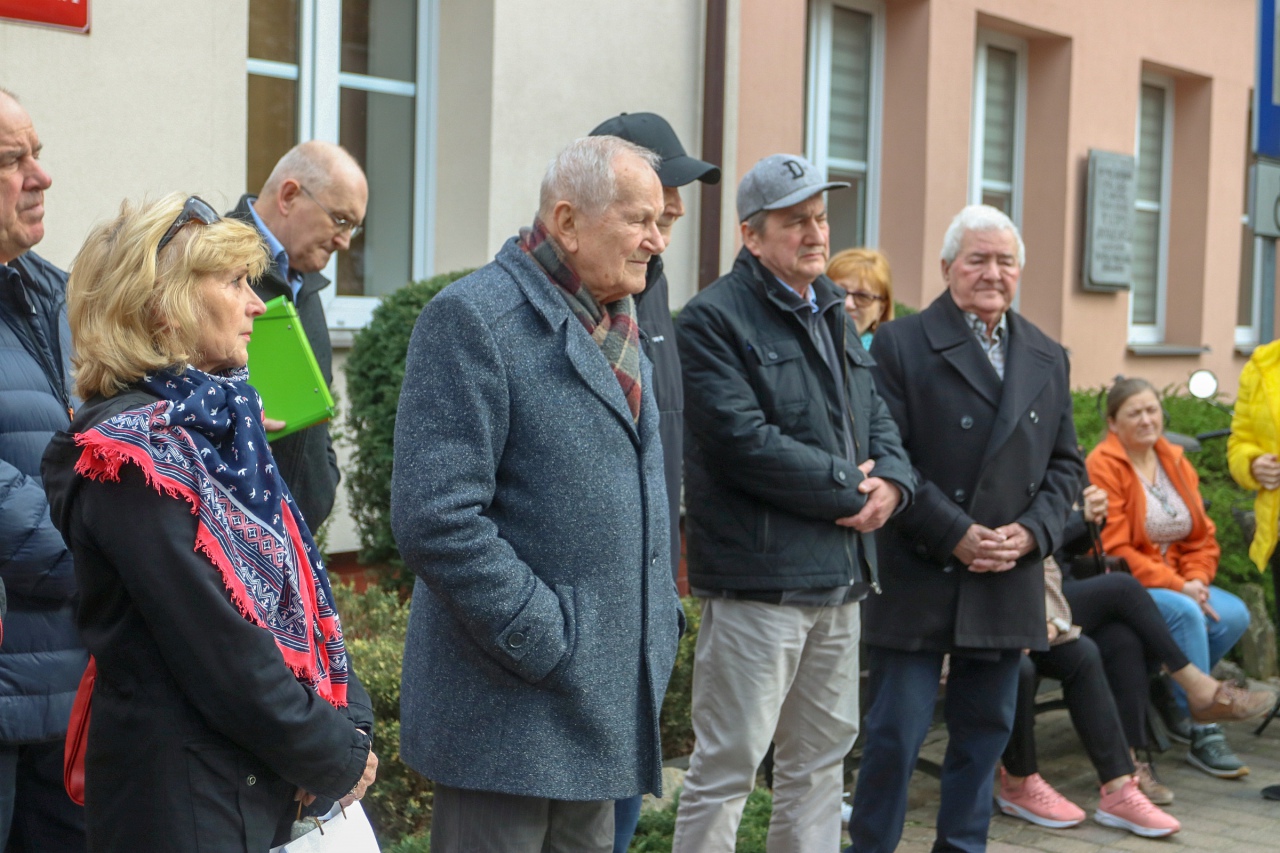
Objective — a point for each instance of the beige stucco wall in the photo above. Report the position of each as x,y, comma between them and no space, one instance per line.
150,101
515,87
1085,62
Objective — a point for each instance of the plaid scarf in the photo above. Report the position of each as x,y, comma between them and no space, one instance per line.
203,441
612,327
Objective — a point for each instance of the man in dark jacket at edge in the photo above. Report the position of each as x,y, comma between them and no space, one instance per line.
311,206
658,337
42,659
990,433
784,429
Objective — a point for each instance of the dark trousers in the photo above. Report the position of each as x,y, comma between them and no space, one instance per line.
35,812
1117,613
464,821
978,710
1078,666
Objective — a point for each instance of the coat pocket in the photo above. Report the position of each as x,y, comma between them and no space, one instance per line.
234,806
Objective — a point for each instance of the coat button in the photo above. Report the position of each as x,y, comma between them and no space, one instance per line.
960,496
840,476
773,356
1031,488
515,640
922,551
948,569
966,422
251,780
1035,419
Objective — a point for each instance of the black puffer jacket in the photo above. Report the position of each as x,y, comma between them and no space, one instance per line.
766,473
42,659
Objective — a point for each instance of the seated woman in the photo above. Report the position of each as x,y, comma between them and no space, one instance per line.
224,698
1157,523
864,274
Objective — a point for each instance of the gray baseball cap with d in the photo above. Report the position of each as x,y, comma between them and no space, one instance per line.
778,181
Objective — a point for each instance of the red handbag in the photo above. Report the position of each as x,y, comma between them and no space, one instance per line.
78,735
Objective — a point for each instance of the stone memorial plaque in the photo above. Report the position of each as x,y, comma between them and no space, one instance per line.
1108,236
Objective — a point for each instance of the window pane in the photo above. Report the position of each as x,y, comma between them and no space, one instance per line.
379,37
1000,201
1244,302
1151,143
378,131
273,30
1146,254
1000,115
273,126
850,117
846,212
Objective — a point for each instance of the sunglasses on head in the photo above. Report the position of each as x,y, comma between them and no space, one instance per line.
196,209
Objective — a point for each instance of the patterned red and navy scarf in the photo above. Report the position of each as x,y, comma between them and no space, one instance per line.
203,442
612,327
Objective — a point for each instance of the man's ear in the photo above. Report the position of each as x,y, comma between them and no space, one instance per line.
946,267
750,239
287,195
564,226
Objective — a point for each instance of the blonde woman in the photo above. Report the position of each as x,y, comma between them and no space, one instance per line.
868,282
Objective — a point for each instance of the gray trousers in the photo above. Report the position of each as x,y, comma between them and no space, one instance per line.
464,821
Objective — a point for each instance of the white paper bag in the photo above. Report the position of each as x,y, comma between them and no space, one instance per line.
349,834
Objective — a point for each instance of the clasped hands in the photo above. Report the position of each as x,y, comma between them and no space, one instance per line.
357,792
883,498
983,549
1266,470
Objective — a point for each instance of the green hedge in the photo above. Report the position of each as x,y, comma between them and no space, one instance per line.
375,372
374,623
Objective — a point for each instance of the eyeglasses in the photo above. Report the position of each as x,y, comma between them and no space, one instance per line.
339,222
196,209
862,298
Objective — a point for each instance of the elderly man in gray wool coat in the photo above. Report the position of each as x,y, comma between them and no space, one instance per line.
528,498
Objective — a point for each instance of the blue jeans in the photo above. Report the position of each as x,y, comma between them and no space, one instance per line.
626,814
1201,639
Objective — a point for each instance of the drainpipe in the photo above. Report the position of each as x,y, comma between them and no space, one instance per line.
712,140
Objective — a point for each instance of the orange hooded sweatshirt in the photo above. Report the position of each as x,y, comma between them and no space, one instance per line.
1125,534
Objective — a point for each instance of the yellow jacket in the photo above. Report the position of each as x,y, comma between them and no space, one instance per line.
1255,430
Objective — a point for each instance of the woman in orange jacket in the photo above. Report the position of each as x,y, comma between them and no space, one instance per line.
1156,521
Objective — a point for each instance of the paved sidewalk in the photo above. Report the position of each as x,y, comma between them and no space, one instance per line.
1216,814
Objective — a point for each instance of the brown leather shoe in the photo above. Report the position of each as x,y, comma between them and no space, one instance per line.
1149,783
1235,703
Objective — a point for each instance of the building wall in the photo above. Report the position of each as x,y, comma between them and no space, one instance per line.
152,100
1085,62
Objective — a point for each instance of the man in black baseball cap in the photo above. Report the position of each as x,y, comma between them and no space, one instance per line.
653,312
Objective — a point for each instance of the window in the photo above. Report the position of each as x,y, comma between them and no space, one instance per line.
999,119
1154,147
353,72
845,48
1249,295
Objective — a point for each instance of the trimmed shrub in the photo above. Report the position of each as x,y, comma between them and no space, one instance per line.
676,722
375,372
373,624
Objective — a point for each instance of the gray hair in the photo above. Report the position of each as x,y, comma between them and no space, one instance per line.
10,95
979,217
583,175
756,221
312,164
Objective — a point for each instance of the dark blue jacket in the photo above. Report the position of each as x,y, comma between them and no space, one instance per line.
42,659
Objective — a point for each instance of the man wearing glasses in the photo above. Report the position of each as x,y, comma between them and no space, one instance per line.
312,205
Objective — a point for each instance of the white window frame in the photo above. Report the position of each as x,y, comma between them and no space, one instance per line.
1146,333
818,102
977,182
320,82
1247,336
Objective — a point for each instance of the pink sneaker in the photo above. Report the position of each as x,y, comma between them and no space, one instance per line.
1036,801
1128,808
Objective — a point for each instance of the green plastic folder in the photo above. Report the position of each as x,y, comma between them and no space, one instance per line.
284,370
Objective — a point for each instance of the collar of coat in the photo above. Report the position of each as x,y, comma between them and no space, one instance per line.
825,292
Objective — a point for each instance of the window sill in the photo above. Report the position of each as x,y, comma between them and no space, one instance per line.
1164,350
1245,350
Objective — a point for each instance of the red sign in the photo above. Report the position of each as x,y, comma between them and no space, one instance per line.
65,14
